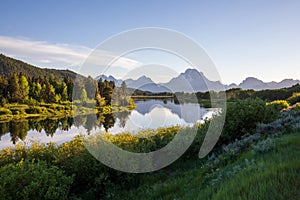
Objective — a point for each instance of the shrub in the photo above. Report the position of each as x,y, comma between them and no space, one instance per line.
46,105
27,180
16,106
296,107
279,104
31,101
5,111
36,110
16,110
264,145
242,117
3,101
57,107
294,98
66,103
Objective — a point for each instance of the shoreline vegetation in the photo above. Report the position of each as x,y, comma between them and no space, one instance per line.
152,97
23,111
22,96
260,140
25,97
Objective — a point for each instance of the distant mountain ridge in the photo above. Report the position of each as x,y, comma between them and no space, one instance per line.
194,81
188,81
256,84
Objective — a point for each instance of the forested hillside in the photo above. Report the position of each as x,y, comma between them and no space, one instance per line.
9,65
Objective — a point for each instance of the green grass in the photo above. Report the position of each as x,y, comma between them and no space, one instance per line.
270,175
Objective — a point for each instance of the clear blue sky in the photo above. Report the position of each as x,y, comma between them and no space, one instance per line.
243,38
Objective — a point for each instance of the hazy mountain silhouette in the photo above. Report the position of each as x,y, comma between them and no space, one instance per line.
256,84
189,81
193,80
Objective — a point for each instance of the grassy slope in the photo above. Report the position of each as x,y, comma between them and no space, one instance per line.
274,174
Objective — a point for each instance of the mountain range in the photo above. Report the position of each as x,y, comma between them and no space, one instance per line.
193,80
188,81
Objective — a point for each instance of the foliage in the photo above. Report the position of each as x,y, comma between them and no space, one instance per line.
36,110
18,88
238,93
43,96
235,94
5,111
296,106
276,94
242,117
231,161
279,104
27,180
241,174
9,66
23,89
264,145
294,98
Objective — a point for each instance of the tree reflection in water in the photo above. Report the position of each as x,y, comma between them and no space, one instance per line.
18,129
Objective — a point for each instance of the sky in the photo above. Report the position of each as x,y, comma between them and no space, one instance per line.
243,38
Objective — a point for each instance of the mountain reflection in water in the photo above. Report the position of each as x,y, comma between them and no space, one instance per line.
150,114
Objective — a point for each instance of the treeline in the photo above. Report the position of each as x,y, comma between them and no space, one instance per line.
18,88
137,92
292,94
112,95
267,95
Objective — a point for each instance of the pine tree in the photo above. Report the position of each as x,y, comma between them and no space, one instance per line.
48,92
3,87
107,92
14,88
99,100
64,93
38,92
70,85
100,86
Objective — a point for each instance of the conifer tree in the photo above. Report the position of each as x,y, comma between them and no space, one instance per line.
14,88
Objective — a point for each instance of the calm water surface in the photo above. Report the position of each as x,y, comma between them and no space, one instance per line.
150,114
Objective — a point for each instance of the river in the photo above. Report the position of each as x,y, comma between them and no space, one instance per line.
149,114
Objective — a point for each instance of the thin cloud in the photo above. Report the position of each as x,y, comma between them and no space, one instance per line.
45,54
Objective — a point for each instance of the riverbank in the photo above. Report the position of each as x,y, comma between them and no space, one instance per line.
66,109
205,103
262,152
